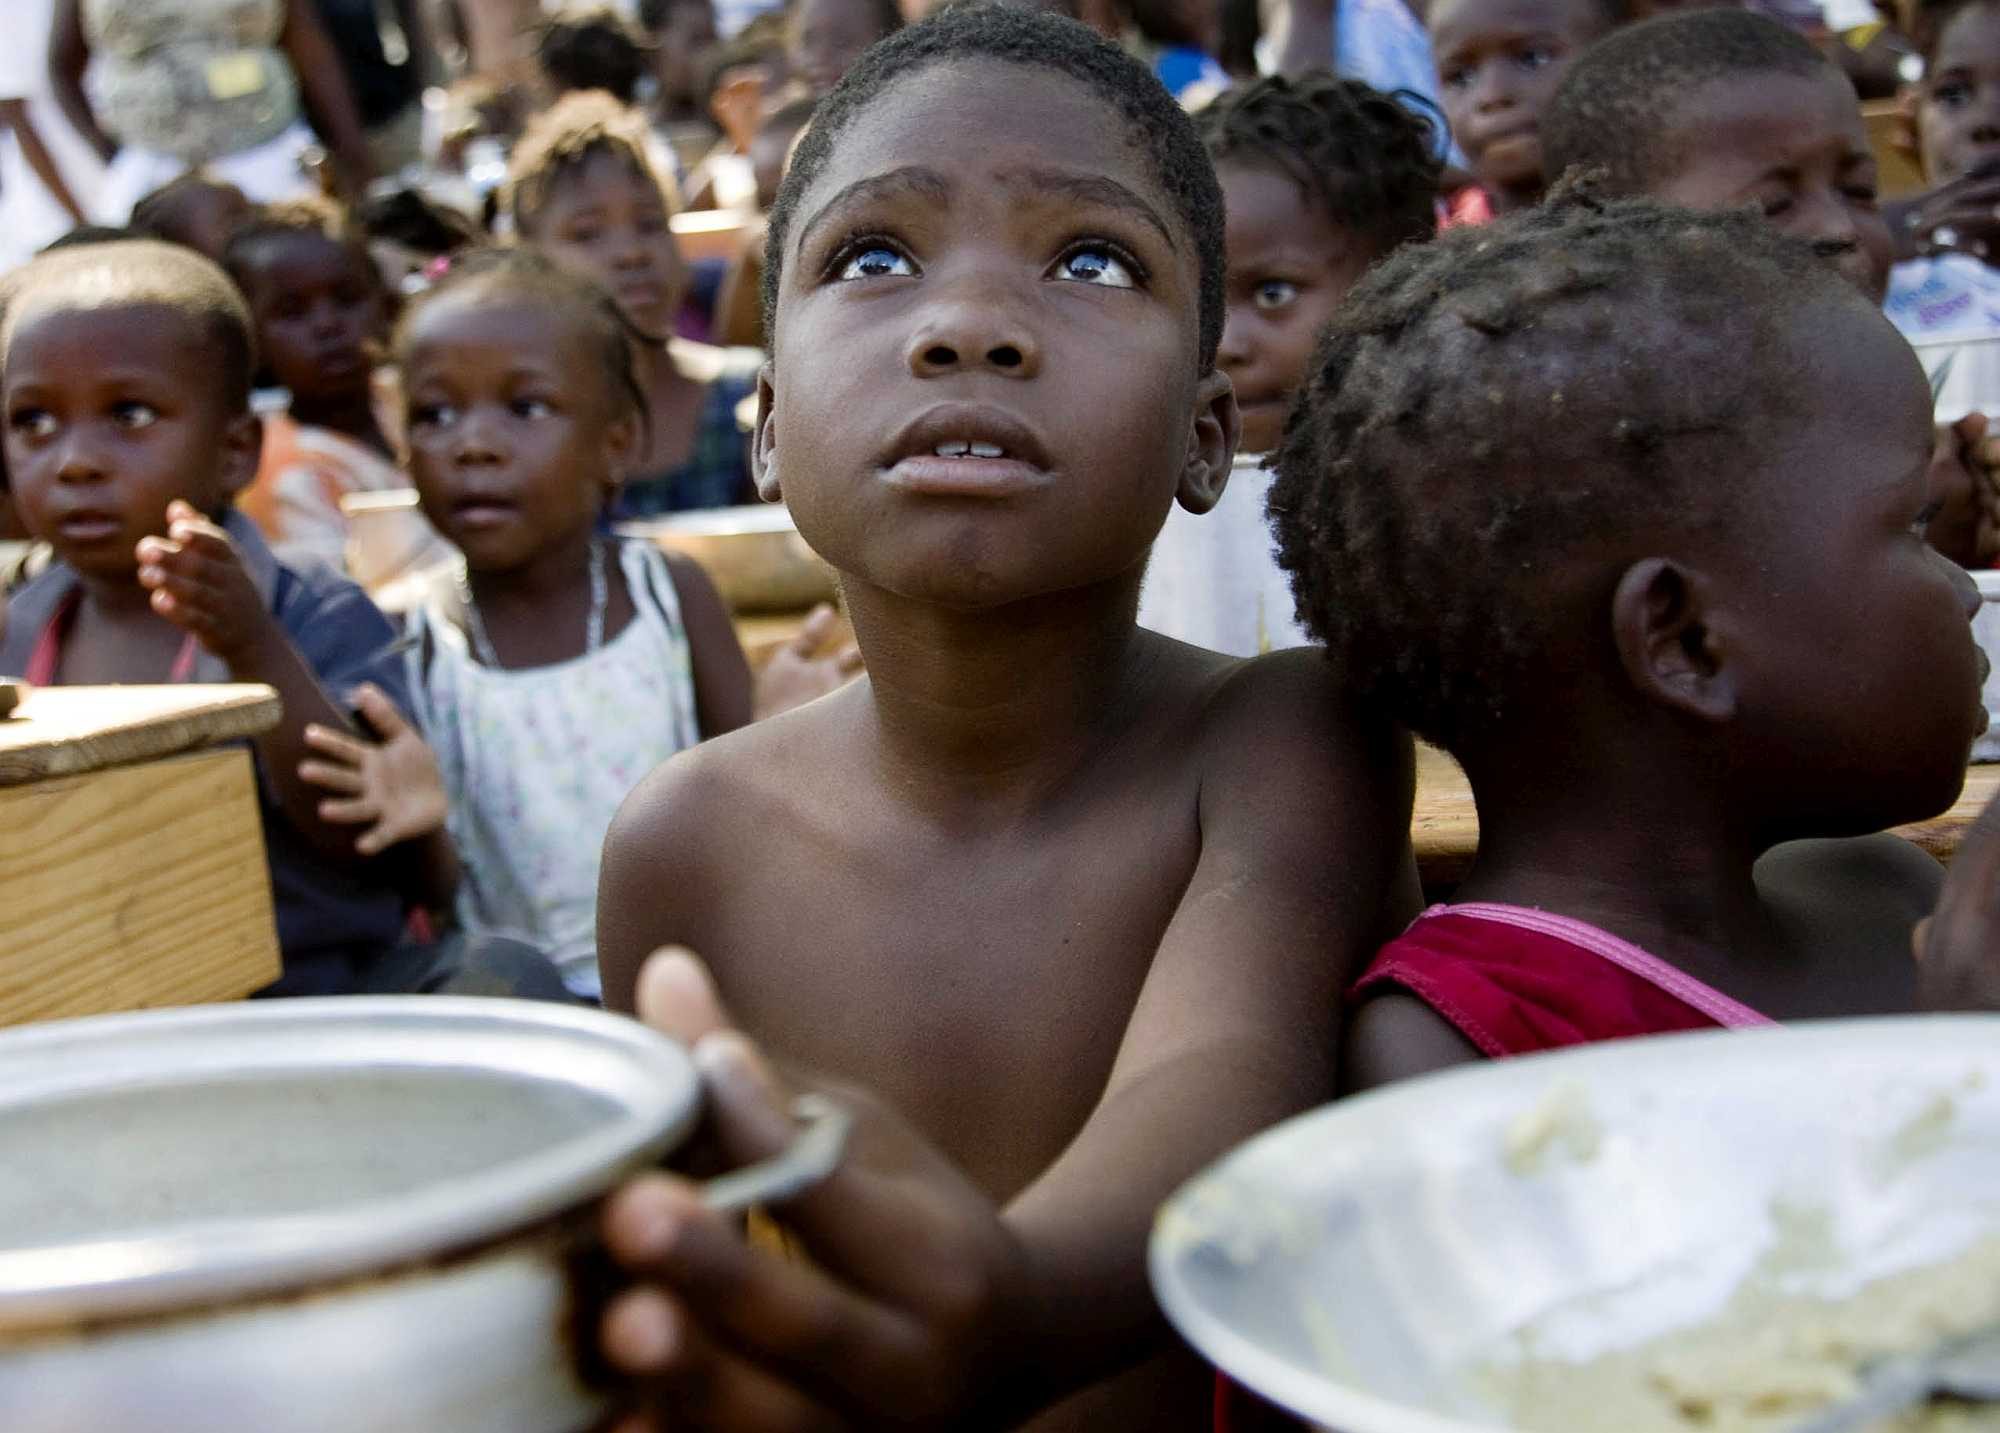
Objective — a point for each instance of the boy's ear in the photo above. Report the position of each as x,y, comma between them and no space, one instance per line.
621,445
242,452
1211,443
1662,625
764,442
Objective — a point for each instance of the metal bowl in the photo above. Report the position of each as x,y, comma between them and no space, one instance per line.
1365,1264
753,554
355,1215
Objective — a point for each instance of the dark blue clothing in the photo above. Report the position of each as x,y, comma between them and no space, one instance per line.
332,922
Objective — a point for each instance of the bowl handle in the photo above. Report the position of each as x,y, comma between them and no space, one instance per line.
803,1163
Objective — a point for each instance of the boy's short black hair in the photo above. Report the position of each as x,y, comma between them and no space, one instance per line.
91,234
409,217
311,217
1154,123
591,47
157,214
533,275
1612,112
1490,405
1364,157
140,273
563,139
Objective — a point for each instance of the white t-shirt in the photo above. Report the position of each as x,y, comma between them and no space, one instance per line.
29,214
1948,306
1213,579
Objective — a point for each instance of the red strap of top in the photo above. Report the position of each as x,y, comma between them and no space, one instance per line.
47,656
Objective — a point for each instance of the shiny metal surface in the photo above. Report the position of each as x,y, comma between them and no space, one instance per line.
1361,1264
167,1159
753,554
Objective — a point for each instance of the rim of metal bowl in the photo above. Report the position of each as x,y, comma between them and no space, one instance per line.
647,1077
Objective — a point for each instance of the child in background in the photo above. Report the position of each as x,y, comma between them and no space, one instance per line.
590,47
1719,109
1498,61
193,211
1550,542
1076,898
557,666
321,313
127,383
408,232
581,189
826,37
1321,177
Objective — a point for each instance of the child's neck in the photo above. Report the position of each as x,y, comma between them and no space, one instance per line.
352,415
1653,855
974,710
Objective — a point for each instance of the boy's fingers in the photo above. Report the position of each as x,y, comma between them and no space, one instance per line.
815,629
338,744
378,711
848,660
782,1313
351,812
332,776
695,1382
676,996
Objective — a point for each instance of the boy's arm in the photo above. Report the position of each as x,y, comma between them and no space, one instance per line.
14,115
967,1319
1395,1036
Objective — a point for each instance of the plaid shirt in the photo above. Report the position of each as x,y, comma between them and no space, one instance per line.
717,472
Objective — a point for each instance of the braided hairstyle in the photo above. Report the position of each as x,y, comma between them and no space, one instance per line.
1156,126
1497,421
1363,156
518,271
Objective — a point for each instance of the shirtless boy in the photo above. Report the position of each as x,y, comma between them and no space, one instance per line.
1076,899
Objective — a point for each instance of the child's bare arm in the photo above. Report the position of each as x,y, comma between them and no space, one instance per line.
14,115
1398,1037
721,675
1304,821
1958,947
391,788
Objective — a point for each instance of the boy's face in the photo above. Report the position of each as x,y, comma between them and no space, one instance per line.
1498,63
828,36
1289,267
112,414
1853,634
510,425
985,383
1792,145
319,307
1958,106
608,222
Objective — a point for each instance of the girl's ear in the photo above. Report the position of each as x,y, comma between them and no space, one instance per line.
1211,443
1663,623
242,452
764,442
621,446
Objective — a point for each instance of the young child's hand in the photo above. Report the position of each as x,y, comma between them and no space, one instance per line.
199,583
1962,479
797,674
392,784
1958,945
1962,216
901,1320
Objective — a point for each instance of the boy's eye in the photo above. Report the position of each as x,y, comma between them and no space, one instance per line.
582,234
33,423
1920,526
1456,78
1775,206
1864,195
1534,57
432,415
876,261
532,409
135,415
1096,264
1951,93
1274,294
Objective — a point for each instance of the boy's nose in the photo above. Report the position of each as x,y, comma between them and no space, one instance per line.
1234,350
475,441
968,333
1493,89
78,460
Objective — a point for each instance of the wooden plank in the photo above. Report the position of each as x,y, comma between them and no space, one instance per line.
65,731
134,887
1444,828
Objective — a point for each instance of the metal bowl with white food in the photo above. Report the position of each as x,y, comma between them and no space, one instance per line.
352,1215
1396,1262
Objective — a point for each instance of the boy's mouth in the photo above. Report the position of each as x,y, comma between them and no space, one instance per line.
963,450
85,529
478,513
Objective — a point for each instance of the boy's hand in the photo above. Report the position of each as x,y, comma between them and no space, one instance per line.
797,674
1962,479
1958,945
391,784
903,1318
199,583
1962,216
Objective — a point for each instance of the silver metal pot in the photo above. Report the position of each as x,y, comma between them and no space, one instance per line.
753,554
329,1216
